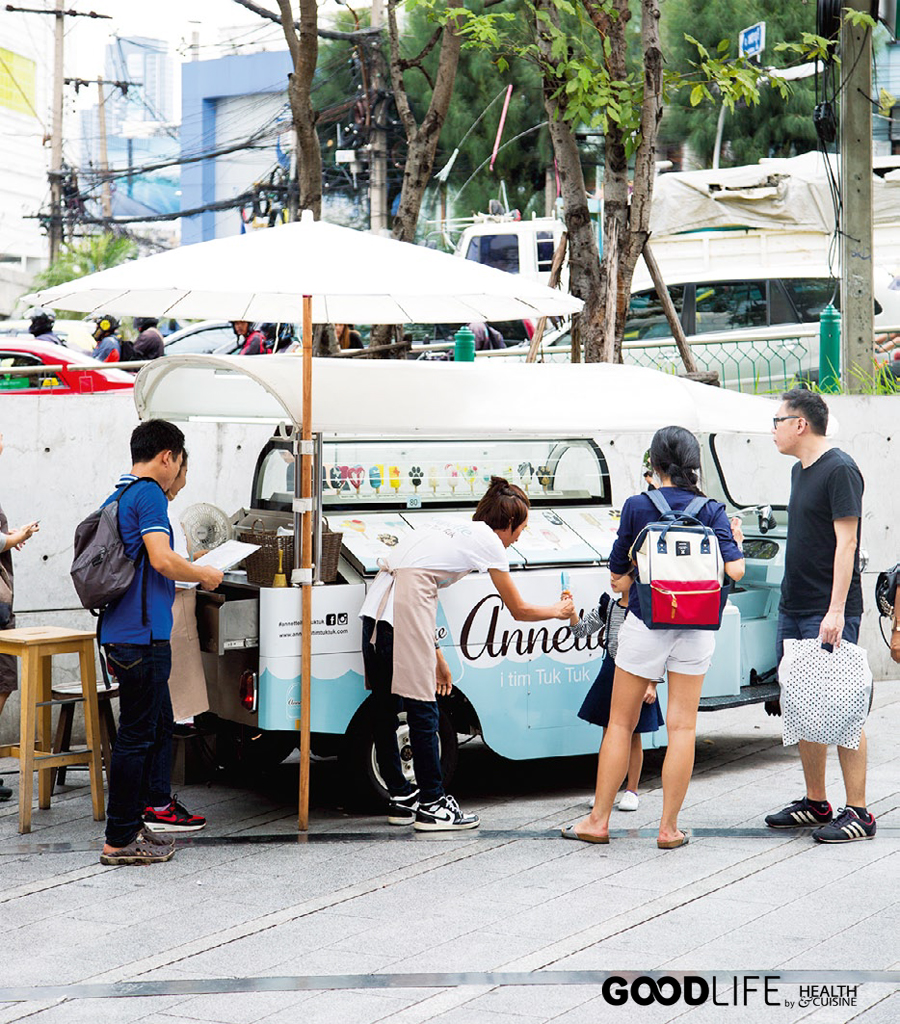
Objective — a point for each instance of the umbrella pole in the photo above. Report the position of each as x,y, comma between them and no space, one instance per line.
306,461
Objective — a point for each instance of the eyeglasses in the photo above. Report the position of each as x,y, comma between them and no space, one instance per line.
780,419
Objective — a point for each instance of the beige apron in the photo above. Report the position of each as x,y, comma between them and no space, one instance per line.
415,616
187,682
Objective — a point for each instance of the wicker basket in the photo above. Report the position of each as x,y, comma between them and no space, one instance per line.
262,565
331,552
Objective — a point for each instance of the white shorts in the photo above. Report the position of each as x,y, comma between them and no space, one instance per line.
649,653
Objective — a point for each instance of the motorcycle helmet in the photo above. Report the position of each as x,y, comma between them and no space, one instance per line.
141,323
42,320
104,324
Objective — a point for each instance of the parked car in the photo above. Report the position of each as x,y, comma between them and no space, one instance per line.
759,333
206,337
210,337
21,351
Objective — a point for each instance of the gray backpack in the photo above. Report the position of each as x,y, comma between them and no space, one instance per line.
101,570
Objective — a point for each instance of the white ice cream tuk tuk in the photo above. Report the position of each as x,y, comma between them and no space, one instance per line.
401,446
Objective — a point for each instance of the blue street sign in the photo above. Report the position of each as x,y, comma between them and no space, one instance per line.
752,40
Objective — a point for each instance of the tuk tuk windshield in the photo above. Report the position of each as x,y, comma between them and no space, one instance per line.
743,461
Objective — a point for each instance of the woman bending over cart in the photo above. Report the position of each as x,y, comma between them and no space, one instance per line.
404,660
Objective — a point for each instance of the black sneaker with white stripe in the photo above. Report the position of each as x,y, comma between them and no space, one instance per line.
847,827
402,809
444,815
799,814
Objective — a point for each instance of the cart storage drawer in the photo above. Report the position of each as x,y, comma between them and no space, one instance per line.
227,625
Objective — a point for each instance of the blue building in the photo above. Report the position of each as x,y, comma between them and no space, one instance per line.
236,103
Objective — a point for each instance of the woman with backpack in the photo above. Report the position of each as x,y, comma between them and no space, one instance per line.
645,654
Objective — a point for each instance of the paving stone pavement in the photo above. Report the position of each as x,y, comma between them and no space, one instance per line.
432,921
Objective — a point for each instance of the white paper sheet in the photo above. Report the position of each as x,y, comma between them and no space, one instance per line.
226,556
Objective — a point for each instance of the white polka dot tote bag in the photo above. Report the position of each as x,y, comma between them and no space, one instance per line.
824,694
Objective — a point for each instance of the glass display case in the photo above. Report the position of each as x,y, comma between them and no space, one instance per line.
376,492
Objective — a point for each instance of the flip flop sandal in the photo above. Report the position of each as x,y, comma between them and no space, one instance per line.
139,851
673,844
569,833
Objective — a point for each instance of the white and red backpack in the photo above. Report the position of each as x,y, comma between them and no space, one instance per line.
680,570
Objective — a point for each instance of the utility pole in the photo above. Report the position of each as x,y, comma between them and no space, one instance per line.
857,309
56,140
104,157
56,222
378,198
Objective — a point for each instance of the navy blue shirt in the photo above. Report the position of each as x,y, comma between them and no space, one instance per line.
143,509
639,510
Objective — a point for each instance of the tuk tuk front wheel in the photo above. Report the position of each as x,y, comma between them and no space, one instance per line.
363,780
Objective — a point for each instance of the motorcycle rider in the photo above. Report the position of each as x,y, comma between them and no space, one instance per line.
42,321
109,348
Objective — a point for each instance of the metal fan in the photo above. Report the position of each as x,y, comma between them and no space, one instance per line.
205,527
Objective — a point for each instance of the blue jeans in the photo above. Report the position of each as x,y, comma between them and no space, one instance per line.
140,773
422,717
806,627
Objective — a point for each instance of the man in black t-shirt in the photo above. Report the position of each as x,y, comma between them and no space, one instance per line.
821,597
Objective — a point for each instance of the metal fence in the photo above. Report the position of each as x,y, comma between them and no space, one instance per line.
765,362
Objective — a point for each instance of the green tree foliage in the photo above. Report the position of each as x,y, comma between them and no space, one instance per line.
483,75
778,125
88,255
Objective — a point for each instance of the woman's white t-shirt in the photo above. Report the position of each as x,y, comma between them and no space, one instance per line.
463,547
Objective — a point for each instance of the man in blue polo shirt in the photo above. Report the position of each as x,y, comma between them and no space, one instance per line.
135,633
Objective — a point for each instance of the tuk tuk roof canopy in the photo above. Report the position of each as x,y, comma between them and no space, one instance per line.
431,399
352,276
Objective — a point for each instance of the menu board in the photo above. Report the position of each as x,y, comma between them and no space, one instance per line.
596,526
369,536
549,540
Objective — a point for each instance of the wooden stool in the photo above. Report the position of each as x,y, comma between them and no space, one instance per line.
36,645
67,695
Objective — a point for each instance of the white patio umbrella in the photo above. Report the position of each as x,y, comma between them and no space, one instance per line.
352,277
315,273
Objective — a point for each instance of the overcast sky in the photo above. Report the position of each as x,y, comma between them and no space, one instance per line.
172,20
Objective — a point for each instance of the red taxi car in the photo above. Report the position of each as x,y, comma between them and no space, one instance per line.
21,351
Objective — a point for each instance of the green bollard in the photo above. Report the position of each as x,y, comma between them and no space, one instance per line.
464,348
830,350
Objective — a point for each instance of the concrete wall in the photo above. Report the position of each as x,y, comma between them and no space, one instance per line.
63,455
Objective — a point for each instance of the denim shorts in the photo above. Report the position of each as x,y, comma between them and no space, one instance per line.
806,627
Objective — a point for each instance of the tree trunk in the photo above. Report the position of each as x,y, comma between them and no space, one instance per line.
585,280
421,139
645,161
304,49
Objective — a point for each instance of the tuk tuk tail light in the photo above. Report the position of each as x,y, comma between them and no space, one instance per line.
248,690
